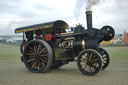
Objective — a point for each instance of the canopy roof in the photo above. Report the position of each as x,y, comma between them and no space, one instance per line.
44,27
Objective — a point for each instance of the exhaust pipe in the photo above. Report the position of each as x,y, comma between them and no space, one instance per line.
89,19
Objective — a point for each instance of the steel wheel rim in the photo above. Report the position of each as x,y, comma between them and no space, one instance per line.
105,57
89,62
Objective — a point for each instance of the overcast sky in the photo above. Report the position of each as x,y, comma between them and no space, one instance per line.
17,13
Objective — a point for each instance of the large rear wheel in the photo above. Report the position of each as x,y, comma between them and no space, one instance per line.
22,46
38,56
89,62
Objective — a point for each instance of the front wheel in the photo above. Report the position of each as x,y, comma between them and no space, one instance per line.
105,57
89,62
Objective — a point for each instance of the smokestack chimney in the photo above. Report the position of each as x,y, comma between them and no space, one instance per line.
89,19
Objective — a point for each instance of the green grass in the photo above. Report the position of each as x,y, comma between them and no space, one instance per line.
13,72
9,52
118,51
118,54
12,52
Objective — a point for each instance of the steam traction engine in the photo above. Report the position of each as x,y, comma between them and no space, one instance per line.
48,45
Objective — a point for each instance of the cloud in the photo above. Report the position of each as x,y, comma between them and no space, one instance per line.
26,12
114,12
16,13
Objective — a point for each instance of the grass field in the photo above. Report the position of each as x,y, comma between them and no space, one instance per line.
13,71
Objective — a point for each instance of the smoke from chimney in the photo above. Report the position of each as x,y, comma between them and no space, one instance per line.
91,3
87,4
78,7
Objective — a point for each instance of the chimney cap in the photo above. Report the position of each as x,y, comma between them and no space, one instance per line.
88,12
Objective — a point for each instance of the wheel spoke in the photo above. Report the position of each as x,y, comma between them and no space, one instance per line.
43,60
31,60
43,64
96,64
90,57
38,49
104,61
93,56
104,56
31,48
93,68
42,51
90,69
35,67
82,63
35,48
30,57
94,60
38,66
44,55
83,59
30,54
85,66
34,64
84,56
